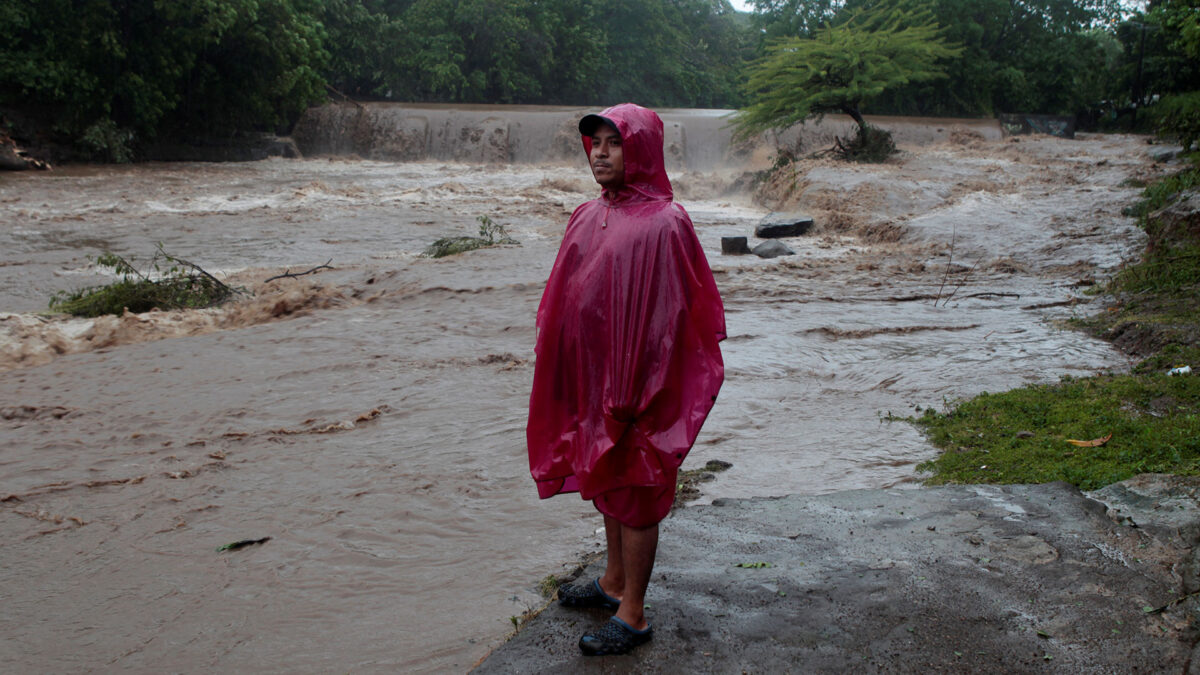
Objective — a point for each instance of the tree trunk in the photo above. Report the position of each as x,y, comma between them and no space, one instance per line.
852,111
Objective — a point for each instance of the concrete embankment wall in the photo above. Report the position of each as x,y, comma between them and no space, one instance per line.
696,140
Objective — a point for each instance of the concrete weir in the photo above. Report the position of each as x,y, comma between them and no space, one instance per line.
696,139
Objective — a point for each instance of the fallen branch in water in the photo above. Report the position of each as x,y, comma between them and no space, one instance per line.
183,285
242,544
287,274
993,295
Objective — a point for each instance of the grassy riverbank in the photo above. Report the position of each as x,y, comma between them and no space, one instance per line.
1098,430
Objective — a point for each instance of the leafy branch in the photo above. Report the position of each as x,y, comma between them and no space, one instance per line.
169,282
491,233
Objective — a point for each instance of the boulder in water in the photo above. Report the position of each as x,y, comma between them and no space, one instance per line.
772,249
776,225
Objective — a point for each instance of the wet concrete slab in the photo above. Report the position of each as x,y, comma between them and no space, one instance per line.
981,579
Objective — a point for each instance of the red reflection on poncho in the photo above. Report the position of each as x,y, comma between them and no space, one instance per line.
628,364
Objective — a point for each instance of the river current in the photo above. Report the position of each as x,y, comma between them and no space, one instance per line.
369,418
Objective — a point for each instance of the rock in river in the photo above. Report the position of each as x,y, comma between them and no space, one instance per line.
776,225
734,246
772,249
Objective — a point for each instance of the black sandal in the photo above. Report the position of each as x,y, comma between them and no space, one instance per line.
614,637
586,595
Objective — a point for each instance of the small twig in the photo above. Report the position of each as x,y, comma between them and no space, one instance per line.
950,261
997,295
966,277
129,266
289,274
227,291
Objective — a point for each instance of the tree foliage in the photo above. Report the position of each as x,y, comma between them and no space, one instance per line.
112,74
1048,56
120,70
1177,113
659,52
844,66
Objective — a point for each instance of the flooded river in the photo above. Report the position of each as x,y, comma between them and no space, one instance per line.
369,418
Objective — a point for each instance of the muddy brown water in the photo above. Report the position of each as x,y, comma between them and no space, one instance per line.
369,419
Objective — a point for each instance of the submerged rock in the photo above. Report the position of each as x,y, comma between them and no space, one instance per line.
772,249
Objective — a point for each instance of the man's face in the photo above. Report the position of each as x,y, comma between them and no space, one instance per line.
606,158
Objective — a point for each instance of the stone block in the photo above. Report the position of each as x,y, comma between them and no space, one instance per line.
734,246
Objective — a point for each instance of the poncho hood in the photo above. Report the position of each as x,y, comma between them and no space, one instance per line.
628,362
642,143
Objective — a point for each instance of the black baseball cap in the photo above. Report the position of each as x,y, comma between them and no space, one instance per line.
589,123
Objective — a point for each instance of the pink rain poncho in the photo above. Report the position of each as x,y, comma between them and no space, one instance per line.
628,364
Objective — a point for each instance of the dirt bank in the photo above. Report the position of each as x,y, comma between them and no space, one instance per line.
981,579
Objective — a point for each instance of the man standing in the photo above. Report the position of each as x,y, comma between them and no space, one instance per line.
628,362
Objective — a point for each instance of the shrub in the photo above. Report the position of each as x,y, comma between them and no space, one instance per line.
1178,117
869,145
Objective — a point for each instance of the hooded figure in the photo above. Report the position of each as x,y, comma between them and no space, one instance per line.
628,362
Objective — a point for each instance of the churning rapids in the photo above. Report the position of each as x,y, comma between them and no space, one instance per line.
370,419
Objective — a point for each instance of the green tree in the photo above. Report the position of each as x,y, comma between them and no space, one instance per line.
1177,113
114,72
843,67
493,51
261,73
1027,56
357,51
794,18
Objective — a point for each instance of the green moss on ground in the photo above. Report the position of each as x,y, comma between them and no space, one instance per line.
1021,436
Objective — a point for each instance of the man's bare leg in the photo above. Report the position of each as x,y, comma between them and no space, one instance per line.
638,548
613,581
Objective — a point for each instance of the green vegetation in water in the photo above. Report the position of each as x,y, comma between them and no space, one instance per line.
490,234
170,283
1025,435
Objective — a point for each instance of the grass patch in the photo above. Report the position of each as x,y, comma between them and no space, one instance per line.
169,283
1021,436
490,234
1164,191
